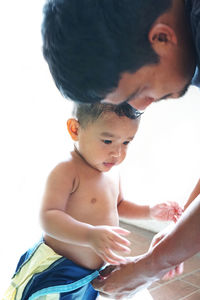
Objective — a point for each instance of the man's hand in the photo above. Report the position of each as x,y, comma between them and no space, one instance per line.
178,270
182,242
124,280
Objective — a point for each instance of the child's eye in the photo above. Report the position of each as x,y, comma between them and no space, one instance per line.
126,142
107,141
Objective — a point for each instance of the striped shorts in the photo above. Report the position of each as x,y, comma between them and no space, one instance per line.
44,275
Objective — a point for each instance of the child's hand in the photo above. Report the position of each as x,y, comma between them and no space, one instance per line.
106,239
167,211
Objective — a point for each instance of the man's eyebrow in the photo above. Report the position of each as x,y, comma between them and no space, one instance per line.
165,97
184,90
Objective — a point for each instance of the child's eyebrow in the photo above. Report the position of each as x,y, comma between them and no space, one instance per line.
108,134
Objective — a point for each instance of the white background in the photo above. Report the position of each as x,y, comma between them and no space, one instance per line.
163,162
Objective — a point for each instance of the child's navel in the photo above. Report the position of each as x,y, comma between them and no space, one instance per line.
93,200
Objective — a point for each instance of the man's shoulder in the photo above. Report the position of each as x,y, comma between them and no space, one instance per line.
193,11
196,78
193,7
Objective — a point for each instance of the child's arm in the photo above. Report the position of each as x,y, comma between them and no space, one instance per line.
130,210
56,223
193,195
168,211
61,226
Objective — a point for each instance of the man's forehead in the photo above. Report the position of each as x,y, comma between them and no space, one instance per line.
129,85
116,100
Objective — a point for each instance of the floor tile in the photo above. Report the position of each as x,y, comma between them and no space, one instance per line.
172,291
193,278
194,296
140,239
154,285
192,264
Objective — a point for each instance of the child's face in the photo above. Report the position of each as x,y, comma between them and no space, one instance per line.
104,143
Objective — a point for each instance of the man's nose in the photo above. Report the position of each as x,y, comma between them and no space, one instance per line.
142,103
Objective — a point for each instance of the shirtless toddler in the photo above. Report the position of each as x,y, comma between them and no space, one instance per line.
81,207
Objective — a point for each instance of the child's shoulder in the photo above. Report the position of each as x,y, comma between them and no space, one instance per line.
63,176
65,169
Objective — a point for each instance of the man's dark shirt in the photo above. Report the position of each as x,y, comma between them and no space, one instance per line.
193,11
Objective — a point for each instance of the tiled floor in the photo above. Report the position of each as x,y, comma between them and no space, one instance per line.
184,287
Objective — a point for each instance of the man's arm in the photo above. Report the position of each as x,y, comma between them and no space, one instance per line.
193,195
181,243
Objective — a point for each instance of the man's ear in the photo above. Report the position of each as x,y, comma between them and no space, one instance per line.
162,37
73,127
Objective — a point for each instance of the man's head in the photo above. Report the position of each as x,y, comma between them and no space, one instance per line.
116,49
102,132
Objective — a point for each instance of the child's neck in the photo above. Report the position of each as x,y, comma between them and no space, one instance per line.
76,151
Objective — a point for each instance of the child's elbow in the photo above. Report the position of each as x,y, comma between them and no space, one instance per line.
44,219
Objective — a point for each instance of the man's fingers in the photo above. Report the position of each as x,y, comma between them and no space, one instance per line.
179,269
98,283
107,271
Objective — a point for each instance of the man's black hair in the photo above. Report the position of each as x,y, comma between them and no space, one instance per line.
88,44
89,112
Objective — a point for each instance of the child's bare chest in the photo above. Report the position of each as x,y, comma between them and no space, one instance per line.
95,199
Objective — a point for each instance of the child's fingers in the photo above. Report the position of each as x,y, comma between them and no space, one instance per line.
114,246
108,260
173,204
120,230
172,214
178,209
116,235
116,238
112,258
175,219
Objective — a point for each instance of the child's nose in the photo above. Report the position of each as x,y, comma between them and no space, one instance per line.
116,152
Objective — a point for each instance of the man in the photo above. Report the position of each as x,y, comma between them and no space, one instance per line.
137,52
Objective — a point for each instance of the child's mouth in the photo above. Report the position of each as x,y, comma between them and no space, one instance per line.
107,164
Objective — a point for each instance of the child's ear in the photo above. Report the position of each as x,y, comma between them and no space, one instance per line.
73,127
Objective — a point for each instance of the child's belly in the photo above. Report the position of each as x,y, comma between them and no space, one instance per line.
83,256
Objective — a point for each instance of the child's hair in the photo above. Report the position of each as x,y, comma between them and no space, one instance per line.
88,113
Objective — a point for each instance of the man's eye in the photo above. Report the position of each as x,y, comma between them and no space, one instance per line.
126,142
107,141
